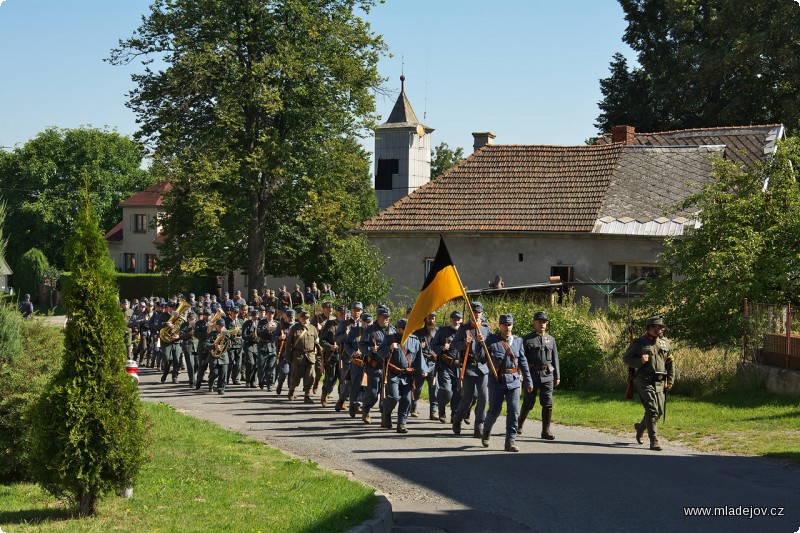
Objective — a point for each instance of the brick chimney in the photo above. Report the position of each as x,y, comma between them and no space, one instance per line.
481,139
622,134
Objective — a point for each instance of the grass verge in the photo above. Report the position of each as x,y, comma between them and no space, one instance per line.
205,478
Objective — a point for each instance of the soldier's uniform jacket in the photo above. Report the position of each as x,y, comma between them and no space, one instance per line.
508,356
153,324
282,345
403,361
542,355
428,359
442,337
327,337
223,359
352,342
200,331
373,336
144,323
185,336
297,298
248,329
659,368
265,331
302,342
476,363
165,317
236,340
284,300
342,334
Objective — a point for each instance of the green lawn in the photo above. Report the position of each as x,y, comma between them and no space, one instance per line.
204,478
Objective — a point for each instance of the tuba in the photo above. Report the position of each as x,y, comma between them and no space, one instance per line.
173,326
223,342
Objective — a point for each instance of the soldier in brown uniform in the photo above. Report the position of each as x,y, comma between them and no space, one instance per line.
650,355
302,343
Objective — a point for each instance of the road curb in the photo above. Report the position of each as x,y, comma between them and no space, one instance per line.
381,521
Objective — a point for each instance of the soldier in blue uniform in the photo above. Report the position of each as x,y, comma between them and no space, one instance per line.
651,357
427,368
342,334
250,348
370,342
469,343
282,353
508,355
267,349
331,353
448,367
542,355
402,362
357,360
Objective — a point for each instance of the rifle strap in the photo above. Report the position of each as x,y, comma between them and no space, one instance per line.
510,354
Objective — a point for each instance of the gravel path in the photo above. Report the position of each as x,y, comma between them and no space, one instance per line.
436,481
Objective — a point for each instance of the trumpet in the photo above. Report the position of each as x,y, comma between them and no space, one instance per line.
168,332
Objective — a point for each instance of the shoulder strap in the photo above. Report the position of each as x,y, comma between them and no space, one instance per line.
510,353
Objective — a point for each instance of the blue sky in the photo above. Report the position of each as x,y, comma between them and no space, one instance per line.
525,69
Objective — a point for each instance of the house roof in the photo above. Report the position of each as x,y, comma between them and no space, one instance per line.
115,235
5,270
150,197
509,188
746,144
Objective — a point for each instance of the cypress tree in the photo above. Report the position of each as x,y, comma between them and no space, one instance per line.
89,435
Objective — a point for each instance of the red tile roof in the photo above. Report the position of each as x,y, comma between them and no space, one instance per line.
115,235
509,188
152,196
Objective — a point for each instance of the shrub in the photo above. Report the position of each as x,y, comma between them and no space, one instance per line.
29,273
88,432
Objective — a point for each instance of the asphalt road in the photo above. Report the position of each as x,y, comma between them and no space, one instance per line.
583,481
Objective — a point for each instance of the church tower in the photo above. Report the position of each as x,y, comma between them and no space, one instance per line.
402,153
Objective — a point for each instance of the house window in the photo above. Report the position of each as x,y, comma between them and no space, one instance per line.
636,275
140,223
150,263
427,261
566,273
129,263
386,168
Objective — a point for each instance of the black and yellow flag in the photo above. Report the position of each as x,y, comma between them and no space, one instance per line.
441,285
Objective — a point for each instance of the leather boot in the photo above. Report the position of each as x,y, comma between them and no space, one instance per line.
654,445
365,417
352,409
510,446
547,413
339,405
639,428
485,438
386,420
323,401
456,425
523,416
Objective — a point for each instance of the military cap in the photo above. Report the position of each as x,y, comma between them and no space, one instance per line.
341,308
456,314
172,303
142,304
207,312
253,312
27,296
432,313
384,311
327,305
656,321
135,302
507,319
401,324
366,317
290,313
262,308
226,294
268,309
126,302
191,314
303,312
540,315
250,308
147,303
477,307
219,322
356,305
191,295
234,310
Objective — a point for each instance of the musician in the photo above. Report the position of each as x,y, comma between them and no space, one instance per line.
189,344
427,368
250,348
449,366
267,349
302,345
370,342
218,357
468,342
508,355
201,331
401,361
234,325
171,348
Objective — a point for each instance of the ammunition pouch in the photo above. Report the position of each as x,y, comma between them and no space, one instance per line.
450,360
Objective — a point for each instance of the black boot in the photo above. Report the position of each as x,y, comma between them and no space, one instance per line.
523,416
547,413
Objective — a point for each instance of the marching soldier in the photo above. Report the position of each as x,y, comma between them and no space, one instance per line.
370,342
170,349
331,353
270,300
201,331
650,355
154,358
508,355
427,368
302,343
401,361
542,355
284,299
145,348
267,350
189,345
297,296
319,321
342,334
284,358
217,362
128,313
234,326
449,366
357,372
469,343
250,348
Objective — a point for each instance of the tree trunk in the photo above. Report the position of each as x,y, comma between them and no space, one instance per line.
255,243
86,503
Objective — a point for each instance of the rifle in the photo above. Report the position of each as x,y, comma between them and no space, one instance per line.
631,371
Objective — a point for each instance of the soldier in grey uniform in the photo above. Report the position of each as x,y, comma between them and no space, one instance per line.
342,334
189,345
319,321
267,350
171,350
508,355
284,366
201,331
448,367
234,324
218,365
352,347
469,343
331,353
370,342
427,368
402,362
542,355
250,348
650,355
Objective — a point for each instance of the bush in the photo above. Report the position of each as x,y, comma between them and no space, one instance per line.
29,273
88,432
23,378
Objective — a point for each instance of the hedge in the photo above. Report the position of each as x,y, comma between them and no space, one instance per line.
138,285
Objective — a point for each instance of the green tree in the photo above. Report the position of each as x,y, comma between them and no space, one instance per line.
89,435
746,246
444,157
357,271
42,182
706,63
30,272
251,96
